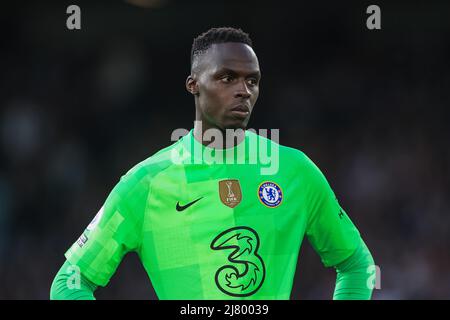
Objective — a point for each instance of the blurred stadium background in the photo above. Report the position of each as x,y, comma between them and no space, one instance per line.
371,108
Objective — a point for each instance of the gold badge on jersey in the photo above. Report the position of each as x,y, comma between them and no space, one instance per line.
230,192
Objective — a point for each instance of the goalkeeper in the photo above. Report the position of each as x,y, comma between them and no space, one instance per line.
224,229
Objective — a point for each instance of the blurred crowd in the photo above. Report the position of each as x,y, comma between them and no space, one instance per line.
370,108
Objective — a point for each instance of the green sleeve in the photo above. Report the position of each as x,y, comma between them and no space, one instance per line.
329,229
115,230
354,275
69,284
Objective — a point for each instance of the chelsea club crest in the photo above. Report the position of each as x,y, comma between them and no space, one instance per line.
270,194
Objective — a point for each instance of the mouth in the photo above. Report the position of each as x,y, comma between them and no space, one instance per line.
241,111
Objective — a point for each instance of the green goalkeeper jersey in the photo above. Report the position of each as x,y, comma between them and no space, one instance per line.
217,229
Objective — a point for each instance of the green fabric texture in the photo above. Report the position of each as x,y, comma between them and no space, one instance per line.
354,275
64,286
241,234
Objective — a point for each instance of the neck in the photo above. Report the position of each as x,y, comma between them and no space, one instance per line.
217,138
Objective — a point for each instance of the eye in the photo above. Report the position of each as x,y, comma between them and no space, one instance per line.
227,78
252,81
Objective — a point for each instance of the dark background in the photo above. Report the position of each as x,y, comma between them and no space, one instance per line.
79,108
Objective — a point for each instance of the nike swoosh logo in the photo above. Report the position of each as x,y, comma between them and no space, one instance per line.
181,208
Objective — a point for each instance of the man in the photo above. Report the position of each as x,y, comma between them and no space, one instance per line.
219,229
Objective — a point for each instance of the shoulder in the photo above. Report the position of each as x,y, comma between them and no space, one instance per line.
153,165
136,183
299,162
293,156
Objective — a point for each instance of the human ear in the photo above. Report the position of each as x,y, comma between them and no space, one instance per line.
191,85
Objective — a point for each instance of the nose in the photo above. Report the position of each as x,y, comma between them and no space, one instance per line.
242,90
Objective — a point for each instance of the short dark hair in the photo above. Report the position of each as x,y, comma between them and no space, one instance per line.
218,35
